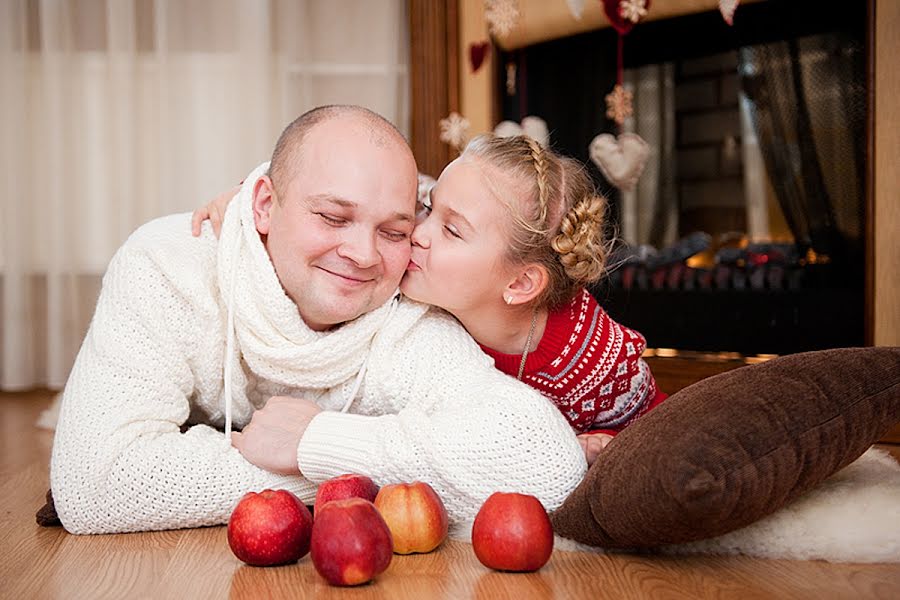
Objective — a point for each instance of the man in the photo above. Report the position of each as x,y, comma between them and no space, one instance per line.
293,309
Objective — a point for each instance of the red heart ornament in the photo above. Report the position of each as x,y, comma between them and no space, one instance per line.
477,53
613,10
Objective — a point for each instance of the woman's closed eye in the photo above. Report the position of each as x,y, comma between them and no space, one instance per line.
451,230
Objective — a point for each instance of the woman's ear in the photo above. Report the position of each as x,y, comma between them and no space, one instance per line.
263,201
530,283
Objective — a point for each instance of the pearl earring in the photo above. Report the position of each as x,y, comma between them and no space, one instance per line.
508,299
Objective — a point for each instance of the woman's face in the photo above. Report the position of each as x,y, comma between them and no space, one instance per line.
459,248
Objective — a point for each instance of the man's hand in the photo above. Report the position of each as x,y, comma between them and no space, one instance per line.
593,444
270,440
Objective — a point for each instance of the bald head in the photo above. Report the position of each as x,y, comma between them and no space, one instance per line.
336,211
289,149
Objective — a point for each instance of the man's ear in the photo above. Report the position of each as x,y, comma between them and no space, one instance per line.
263,202
530,282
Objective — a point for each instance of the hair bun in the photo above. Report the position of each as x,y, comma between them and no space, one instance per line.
580,240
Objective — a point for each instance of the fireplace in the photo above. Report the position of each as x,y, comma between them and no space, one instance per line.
746,230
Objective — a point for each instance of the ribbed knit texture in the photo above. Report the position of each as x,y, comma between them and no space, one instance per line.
589,366
431,406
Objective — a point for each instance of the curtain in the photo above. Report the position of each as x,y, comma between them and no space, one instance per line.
114,112
756,183
650,210
806,99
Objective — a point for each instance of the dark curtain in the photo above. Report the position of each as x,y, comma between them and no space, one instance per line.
808,104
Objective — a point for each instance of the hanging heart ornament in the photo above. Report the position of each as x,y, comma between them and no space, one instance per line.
477,53
622,159
533,127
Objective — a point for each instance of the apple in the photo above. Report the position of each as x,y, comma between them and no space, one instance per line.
351,485
351,543
268,528
415,515
512,532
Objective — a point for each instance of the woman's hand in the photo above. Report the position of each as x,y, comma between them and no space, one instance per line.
214,211
593,444
271,438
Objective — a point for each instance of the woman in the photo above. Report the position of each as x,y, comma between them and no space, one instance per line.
512,235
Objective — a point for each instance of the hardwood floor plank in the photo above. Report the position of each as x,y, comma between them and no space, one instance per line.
37,562
98,567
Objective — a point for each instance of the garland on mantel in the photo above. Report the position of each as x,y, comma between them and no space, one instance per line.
621,158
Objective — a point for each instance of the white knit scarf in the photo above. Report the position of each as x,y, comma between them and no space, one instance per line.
265,328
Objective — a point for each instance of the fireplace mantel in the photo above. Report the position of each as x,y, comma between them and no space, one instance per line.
540,20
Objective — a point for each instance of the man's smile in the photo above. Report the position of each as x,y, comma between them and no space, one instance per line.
352,280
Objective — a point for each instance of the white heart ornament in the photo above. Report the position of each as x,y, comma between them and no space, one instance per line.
622,159
727,8
536,129
508,129
533,127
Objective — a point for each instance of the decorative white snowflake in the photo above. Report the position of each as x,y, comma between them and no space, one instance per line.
502,16
618,104
576,7
727,8
455,130
633,10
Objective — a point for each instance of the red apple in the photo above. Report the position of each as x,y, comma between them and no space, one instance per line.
268,528
351,543
415,515
351,485
512,532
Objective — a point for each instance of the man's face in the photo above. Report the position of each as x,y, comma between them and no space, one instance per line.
338,236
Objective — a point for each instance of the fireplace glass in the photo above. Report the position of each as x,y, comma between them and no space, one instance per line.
745,232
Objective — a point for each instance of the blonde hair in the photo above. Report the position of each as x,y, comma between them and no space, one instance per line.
560,219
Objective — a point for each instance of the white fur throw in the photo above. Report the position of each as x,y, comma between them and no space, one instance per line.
853,516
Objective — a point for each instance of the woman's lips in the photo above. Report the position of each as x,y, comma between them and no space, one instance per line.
413,266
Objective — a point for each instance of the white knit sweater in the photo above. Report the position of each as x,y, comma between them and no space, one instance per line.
138,444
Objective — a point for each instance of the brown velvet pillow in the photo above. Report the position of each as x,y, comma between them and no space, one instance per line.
731,449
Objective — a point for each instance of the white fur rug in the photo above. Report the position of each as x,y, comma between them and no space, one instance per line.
853,516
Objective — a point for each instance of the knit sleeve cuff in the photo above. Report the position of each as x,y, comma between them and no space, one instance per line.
337,443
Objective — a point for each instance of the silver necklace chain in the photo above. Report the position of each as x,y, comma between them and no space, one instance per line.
527,344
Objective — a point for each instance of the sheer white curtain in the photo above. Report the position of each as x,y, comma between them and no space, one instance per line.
757,189
650,209
114,112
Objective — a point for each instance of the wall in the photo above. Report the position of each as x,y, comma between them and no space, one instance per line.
710,173
886,327
476,90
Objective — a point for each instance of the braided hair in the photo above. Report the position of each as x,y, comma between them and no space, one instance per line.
558,219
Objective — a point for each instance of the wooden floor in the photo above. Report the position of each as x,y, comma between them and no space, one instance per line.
38,562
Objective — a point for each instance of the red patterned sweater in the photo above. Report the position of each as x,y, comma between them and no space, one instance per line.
589,366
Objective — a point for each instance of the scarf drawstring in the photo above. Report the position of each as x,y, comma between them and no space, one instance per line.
229,343
264,330
229,348
362,370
